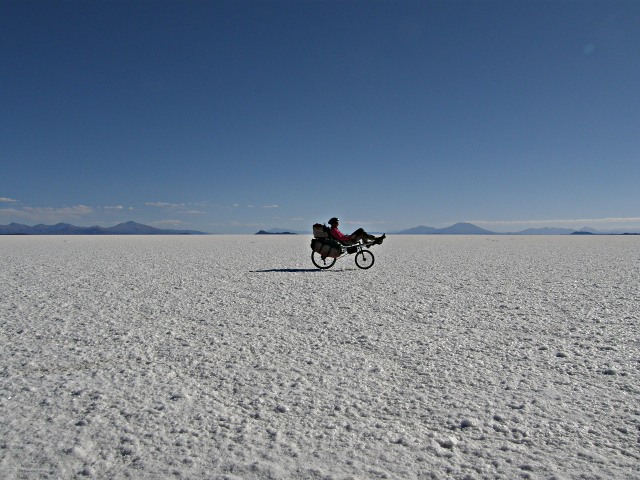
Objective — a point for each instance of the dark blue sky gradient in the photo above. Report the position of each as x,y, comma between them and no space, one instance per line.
228,116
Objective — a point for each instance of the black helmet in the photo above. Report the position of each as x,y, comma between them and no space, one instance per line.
333,221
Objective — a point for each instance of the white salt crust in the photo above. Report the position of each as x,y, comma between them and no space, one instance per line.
225,357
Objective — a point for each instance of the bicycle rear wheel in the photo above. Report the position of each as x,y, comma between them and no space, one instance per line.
322,262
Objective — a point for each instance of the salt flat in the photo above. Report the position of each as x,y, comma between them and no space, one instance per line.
233,357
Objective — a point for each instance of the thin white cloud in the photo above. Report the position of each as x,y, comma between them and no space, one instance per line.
165,223
47,214
165,205
9,212
117,207
178,208
77,210
252,205
7,200
241,224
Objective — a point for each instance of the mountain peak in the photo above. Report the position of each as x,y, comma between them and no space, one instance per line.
461,228
127,228
465,228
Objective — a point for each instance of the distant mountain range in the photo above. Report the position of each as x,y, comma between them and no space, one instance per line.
128,228
457,229
471,229
274,232
465,228
281,231
133,228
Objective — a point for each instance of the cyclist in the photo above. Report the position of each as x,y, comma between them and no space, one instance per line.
355,237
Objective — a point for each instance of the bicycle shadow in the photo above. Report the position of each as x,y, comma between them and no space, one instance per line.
287,270
294,270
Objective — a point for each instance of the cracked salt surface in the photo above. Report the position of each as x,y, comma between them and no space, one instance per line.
232,357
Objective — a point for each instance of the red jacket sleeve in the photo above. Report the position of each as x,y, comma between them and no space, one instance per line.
338,235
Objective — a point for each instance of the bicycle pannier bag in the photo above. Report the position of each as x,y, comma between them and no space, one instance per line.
326,247
320,231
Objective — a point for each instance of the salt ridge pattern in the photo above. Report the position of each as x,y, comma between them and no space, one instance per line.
233,357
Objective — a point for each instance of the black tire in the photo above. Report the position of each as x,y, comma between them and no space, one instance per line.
322,262
365,259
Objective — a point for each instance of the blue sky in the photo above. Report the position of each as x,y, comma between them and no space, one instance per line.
233,116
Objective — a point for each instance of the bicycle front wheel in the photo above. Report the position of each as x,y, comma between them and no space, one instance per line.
365,259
